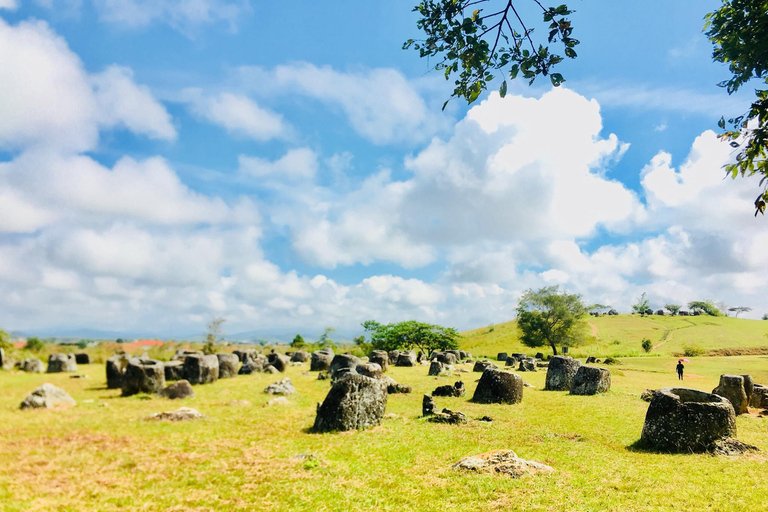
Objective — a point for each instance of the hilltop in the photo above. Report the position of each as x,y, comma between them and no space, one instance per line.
622,335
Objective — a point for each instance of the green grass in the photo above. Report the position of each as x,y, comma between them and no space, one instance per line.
622,335
101,454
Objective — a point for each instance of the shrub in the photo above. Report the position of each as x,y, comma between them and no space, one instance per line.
34,344
647,345
692,350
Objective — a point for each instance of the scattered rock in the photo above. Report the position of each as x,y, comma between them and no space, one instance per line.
82,358
687,420
253,366
560,374
320,361
379,357
180,414
501,356
485,418
499,387
271,369
61,363
174,370
178,390
749,387
731,447
279,400
395,388
78,376
47,396
407,358
342,364
457,390
759,398
354,402
428,407
31,365
732,388
502,461
448,416
481,366
182,353
281,387
372,370
435,368
300,356
279,361
229,365
201,369
527,364
511,361
611,360
143,376
590,380
115,369
590,360
647,394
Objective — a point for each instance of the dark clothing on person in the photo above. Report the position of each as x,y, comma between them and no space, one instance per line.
680,368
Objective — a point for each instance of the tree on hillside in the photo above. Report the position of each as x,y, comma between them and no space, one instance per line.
411,334
704,306
597,308
214,335
641,306
550,317
473,39
298,341
672,308
740,309
325,339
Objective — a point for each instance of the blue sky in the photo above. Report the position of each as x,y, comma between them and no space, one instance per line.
287,165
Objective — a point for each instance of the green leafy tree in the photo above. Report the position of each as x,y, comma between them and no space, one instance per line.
550,317
672,308
738,33
325,339
34,344
411,334
641,306
705,306
119,340
472,39
647,345
298,342
215,334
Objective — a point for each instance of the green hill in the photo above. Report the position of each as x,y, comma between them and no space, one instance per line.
622,335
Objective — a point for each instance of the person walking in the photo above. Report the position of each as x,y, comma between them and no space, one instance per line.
680,369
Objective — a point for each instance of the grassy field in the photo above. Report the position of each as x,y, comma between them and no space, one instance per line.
102,454
621,335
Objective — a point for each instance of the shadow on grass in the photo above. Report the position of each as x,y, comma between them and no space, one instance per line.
640,446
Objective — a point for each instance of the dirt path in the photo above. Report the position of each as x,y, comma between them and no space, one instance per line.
593,328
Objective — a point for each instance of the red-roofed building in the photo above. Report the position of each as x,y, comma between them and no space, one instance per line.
145,343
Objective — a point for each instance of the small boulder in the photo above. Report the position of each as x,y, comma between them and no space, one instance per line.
252,366
393,387
435,367
143,376
178,390
300,356
501,356
372,370
428,407
61,363
457,390
270,369
448,416
759,398
201,369
281,387
732,388
379,357
687,420
115,370
354,402
481,366
47,396
82,358
590,360
180,414
279,361
229,365
31,365
749,387
182,353
527,364
539,356
393,355
498,387
560,373
407,358
343,363
590,380
320,361
174,370
511,361
504,462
